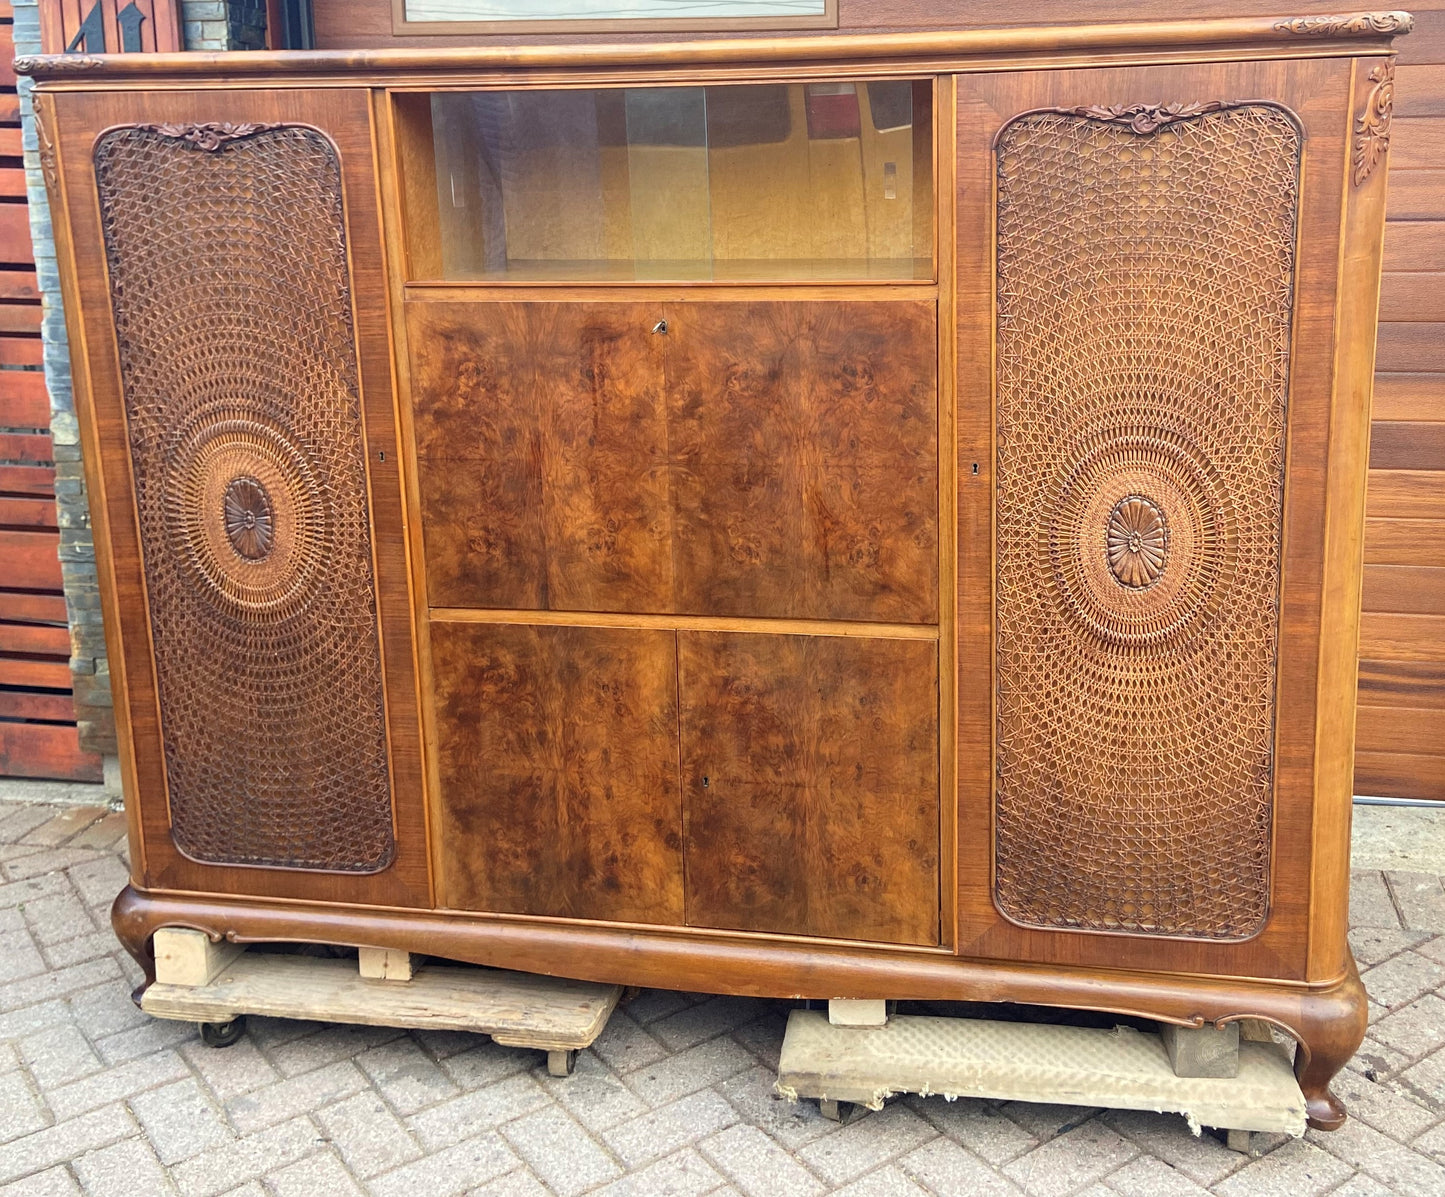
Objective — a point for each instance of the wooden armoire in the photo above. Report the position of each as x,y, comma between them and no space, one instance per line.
784,514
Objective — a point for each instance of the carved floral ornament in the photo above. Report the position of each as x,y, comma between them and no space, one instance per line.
249,520
1137,542
209,135
1372,130
1146,118
1347,24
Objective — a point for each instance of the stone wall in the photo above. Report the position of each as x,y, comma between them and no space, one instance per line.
224,24
208,25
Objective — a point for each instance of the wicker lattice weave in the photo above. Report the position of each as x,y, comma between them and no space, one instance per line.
1145,276
231,295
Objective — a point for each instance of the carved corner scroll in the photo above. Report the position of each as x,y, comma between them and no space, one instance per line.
1372,129
210,135
1347,24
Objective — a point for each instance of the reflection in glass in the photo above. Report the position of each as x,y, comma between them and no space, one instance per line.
774,181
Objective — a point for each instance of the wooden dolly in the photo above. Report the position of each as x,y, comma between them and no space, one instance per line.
1231,1078
218,984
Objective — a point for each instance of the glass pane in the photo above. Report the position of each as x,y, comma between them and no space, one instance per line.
765,182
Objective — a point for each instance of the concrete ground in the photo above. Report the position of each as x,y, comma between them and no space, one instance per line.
675,1098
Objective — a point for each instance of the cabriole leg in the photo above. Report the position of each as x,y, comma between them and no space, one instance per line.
1331,1027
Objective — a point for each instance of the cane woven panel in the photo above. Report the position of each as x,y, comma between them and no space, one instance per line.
231,296
1145,276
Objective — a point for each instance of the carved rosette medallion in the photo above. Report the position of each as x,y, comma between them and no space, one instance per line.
1137,542
1372,130
248,516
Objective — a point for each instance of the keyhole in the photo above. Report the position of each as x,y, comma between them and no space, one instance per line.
704,783
660,328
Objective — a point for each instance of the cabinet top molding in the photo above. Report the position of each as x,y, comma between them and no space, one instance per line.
1310,35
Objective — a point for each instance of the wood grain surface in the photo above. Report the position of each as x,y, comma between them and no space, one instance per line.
558,769
810,785
541,446
803,438
774,459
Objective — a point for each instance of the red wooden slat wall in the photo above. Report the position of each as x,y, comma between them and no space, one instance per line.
37,717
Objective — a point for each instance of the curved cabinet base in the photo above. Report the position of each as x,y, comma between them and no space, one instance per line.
1327,1021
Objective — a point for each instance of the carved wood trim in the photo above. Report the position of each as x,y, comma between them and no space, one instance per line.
1372,129
1347,24
211,135
45,141
1146,118
57,64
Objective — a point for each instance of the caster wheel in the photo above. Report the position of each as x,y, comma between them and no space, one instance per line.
837,1111
223,1034
561,1063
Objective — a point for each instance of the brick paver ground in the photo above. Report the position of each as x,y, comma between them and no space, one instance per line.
675,1098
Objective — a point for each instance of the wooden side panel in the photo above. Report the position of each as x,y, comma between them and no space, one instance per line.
810,784
803,440
541,446
558,771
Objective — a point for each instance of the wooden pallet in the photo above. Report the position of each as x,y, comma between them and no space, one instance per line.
970,1057
216,984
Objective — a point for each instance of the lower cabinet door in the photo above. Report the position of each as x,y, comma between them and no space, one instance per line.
557,758
810,784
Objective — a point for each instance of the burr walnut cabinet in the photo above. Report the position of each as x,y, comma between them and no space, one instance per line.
787,515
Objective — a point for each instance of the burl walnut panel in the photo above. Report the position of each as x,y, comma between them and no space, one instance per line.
810,784
768,459
541,445
803,438
1145,287
239,369
558,767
